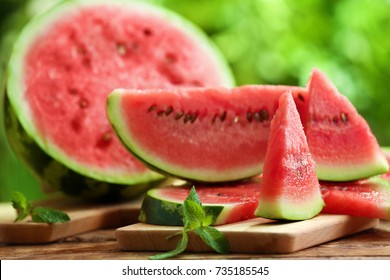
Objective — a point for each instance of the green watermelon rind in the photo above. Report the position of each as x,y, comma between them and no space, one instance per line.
130,142
15,83
288,210
343,173
159,210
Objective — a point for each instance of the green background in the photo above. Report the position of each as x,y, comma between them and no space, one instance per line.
265,42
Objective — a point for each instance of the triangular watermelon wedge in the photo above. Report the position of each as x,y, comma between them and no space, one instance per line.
289,188
340,140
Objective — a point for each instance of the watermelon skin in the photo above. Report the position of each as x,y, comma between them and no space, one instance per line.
340,140
289,188
227,203
363,198
212,134
130,171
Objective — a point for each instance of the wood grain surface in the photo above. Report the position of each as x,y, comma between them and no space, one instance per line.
84,217
102,245
253,236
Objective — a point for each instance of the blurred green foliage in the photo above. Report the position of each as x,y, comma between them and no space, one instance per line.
265,42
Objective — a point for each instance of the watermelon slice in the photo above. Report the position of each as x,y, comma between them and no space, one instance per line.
64,64
227,203
365,198
289,188
340,140
210,134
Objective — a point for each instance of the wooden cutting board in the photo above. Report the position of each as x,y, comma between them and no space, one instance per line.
84,217
252,236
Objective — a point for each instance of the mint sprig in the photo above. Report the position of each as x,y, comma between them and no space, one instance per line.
38,214
196,219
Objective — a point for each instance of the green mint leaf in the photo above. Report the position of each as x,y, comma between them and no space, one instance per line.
180,247
21,204
193,215
208,220
193,196
48,215
214,238
193,212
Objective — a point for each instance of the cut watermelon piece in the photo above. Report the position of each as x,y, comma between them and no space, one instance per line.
208,134
365,198
340,140
227,203
289,188
65,63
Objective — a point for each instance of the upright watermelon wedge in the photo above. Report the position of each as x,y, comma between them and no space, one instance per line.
64,64
289,188
340,140
210,134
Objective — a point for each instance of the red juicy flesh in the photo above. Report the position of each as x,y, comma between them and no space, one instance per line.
82,57
332,122
289,170
359,198
214,139
243,196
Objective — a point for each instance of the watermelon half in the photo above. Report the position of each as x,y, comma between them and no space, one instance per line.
227,203
211,134
65,63
289,188
340,140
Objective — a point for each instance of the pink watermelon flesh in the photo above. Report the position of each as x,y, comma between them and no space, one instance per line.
209,134
364,198
84,55
289,188
340,140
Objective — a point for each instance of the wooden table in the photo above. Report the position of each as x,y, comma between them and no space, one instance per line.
101,244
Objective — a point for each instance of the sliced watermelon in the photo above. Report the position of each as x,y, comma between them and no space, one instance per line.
289,188
211,134
227,203
340,140
67,60
366,198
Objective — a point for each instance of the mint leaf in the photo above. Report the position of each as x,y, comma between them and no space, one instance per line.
21,204
48,215
196,219
193,196
193,215
24,208
214,238
193,212
180,247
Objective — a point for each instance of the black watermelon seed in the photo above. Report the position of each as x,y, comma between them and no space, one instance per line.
179,115
169,110
222,117
249,116
187,117
264,115
151,108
